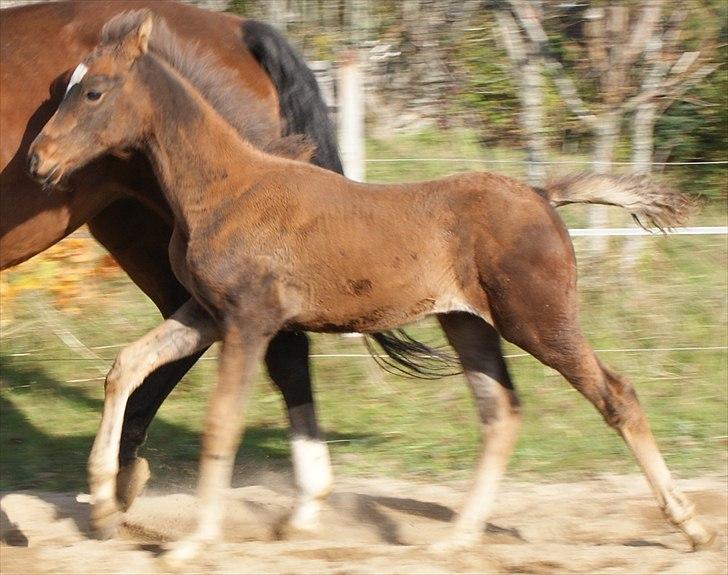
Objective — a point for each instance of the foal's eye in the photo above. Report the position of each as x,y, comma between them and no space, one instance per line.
93,96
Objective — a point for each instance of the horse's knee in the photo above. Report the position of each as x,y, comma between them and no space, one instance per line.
115,377
122,373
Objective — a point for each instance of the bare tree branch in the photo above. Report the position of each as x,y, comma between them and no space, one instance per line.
531,25
511,37
670,88
641,32
594,33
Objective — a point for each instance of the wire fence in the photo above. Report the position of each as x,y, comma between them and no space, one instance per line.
544,162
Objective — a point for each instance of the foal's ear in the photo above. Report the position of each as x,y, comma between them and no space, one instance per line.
143,33
136,42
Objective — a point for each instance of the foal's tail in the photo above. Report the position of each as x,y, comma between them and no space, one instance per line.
659,206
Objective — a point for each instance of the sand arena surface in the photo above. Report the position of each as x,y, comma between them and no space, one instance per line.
607,525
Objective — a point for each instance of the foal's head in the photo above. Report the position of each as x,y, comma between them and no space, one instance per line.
105,109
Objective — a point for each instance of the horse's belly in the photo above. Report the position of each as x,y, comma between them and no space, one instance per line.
380,310
365,321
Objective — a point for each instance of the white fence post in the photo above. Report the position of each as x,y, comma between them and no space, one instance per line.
351,116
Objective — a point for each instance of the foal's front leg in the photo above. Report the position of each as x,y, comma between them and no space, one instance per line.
185,332
223,427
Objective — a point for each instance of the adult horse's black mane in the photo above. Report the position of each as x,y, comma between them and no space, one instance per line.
300,100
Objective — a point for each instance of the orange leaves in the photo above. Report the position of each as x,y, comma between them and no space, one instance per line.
74,268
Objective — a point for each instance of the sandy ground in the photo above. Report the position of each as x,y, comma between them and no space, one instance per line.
607,525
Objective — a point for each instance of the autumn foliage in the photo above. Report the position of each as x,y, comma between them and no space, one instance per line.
69,271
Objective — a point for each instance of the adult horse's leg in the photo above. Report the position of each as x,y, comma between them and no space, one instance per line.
478,346
288,366
187,331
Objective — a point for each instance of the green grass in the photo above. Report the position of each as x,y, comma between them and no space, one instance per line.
378,424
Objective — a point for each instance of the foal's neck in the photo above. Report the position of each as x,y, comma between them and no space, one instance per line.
198,157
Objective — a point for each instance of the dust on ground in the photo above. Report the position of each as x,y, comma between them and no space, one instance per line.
605,525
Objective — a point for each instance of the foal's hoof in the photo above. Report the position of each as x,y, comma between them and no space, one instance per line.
131,480
701,538
106,517
455,542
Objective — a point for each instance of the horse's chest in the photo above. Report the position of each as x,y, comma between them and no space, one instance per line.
178,258
197,267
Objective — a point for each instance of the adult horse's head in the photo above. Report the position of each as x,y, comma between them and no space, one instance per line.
104,109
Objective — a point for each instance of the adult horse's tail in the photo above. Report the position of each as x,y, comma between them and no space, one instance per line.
299,96
305,112
647,201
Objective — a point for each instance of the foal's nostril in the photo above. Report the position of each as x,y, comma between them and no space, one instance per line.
33,164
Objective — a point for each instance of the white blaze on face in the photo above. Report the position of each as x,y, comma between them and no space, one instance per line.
77,76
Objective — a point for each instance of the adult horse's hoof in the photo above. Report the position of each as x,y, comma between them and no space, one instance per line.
179,555
131,480
106,517
287,528
302,522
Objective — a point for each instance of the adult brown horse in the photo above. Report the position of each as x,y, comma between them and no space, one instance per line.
265,243
272,92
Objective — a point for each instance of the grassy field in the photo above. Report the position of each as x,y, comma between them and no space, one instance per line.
53,359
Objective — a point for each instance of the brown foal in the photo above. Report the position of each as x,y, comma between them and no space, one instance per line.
264,243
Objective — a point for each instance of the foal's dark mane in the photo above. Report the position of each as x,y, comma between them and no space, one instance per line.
216,83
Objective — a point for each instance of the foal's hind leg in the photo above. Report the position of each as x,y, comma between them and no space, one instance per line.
617,401
187,331
287,362
478,346
551,334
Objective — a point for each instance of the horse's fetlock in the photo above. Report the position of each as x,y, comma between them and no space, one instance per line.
677,508
106,517
134,433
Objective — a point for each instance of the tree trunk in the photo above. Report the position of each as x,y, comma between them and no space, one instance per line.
277,14
643,127
531,96
528,69
606,137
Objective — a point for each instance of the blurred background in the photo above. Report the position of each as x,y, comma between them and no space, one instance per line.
421,89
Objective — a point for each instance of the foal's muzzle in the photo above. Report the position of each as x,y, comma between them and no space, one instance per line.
41,164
